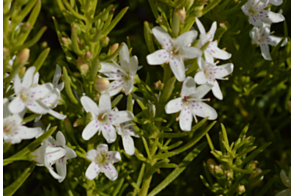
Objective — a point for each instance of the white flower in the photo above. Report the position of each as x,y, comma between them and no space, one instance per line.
33,96
287,182
274,2
102,161
262,37
13,130
103,118
190,104
174,51
54,152
123,75
210,72
257,15
212,51
126,131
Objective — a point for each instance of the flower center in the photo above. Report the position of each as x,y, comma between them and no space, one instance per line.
252,11
6,129
102,117
209,73
101,158
185,99
24,95
175,51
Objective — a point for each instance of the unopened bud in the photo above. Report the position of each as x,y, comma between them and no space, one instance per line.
105,41
229,175
66,41
88,54
241,189
218,170
101,84
22,71
113,48
189,3
82,65
210,165
252,165
5,53
253,175
23,56
158,85
182,14
44,44
26,27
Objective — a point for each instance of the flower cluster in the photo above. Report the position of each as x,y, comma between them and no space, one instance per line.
262,19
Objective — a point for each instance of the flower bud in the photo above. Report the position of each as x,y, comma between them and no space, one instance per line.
182,14
44,44
218,170
105,41
189,3
22,71
210,165
158,85
82,65
5,53
66,41
88,54
229,175
101,84
26,27
252,165
241,189
253,175
23,56
113,48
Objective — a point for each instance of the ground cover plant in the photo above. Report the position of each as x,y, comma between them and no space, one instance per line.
157,97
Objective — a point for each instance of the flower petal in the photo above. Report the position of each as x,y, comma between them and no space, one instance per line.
60,139
54,174
109,171
108,133
186,119
91,154
173,106
265,52
217,91
201,91
6,111
17,84
190,52
255,21
211,32
91,129
89,105
208,56
128,144
92,171
200,26
28,77
70,153
16,105
188,86
115,87
223,70
269,16
111,70
273,40
41,91
56,114
162,36
178,68
102,148
253,35
133,65
285,178
54,153
113,156
60,86
37,107
158,57
276,2
200,78
118,117
218,53
186,38
105,102
27,133
203,110
124,56
51,100
61,169
57,75
129,86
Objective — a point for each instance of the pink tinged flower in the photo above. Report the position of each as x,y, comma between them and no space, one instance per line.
13,130
212,51
209,73
255,9
122,75
262,37
191,104
174,51
127,130
103,118
54,152
287,182
102,161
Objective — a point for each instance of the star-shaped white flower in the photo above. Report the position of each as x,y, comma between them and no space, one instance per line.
126,131
103,118
287,182
209,72
102,161
262,37
122,75
54,152
13,130
255,9
174,51
212,51
190,104
274,2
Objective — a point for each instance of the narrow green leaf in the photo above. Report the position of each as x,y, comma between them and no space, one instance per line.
30,118
266,187
130,103
74,41
67,86
116,100
27,157
245,171
167,90
255,153
148,37
41,59
209,142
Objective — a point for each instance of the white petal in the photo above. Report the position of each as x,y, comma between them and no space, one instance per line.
269,16
255,21
212,30
6,111
217,91
162,36
57,75
36,78
200,78
158,57
102,148
173,106
51,100
91,154
200,26
108,133
285,178
36,107
186,119
188,86
203,110
113,156
110,171
178,68
133,65
129,86
27,133
276,2
16,105
89,105
120,116
90,130
54,153
92,171
186,38
61,169
273,40
56,114
208,56
190,52
60,139
54,174
28,78
111,70
245,9
41,91
265,52
124,56
115,87
128,144
201,91
17,84
70,153
253,35
201,63
224,70
105,102
218,53
60,86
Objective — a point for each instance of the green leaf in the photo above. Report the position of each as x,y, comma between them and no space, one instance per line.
176,172
167,90
148,37
41,59
255,153
116,100
149,172
67,86
12,188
